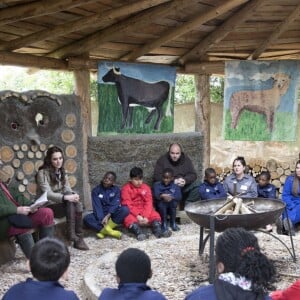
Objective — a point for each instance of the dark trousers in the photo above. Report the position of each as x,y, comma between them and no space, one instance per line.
117,217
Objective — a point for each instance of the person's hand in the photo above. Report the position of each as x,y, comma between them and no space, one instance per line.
180,181
166,197
105,219
72,197
23,210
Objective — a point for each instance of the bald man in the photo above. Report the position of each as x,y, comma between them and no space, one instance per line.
184,172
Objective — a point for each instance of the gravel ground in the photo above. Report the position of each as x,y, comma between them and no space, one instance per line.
177,267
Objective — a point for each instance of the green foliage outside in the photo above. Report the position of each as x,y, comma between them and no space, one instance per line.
110,116
253,127
185,90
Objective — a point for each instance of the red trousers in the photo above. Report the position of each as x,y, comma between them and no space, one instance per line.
43,217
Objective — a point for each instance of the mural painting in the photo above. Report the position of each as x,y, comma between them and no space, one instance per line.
135,98
260,100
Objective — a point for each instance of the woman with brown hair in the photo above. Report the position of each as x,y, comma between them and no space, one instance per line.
52,178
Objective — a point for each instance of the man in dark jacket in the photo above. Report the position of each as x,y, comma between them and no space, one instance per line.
184,172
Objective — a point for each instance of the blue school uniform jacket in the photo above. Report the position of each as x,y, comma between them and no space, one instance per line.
268,191
211,191
37,290
131,291
171,189
105,200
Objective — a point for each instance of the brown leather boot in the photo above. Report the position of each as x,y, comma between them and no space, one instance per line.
79,243
71,221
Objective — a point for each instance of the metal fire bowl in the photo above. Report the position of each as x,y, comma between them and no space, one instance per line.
268,210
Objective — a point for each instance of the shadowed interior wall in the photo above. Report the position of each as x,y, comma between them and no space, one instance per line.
119,153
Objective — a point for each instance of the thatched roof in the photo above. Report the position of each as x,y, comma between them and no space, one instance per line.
190,34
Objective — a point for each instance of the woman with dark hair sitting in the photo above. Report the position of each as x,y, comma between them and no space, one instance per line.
52,178
244,272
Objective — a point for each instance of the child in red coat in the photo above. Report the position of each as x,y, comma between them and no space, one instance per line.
291,293
137,196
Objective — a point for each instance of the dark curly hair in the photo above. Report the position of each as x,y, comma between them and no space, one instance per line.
240,253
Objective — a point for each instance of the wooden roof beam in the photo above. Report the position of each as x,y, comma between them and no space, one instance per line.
37,8
80,24
27,60
116,30
188,26
278,30
221,32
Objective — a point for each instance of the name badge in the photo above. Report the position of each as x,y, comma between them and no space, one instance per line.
244,187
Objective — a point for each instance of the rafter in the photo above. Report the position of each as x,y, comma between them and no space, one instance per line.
28,60
80,24
37,8
221,32
278,30
194,22
116,30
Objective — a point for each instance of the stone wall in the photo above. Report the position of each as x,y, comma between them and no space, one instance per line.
119,153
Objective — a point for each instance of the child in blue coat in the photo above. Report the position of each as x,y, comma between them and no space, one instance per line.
133,268
167,194
211,188
107,209
49,261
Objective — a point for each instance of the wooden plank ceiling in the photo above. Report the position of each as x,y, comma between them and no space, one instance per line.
194,35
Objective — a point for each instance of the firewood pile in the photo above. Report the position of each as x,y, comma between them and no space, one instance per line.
278,170
235,206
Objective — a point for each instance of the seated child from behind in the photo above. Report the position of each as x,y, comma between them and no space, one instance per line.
107,209
49,261
167,194
133,268
137,196
211,188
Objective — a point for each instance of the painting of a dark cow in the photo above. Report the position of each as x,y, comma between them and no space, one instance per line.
133,92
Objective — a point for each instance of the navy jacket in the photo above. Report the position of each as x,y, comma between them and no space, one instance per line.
211,191
105,200
36,290
268,191
131,291
171,189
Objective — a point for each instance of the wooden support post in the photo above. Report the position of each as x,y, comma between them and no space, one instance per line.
82,89
202,109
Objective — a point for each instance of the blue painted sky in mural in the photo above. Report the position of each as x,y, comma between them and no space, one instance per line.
259,77
146,72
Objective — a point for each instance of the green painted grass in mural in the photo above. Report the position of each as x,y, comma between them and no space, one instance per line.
110,114
253,127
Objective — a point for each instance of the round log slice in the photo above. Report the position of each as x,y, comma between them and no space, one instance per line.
71,151
16,163
25,181
9,170
37,164
34,148
43,147
30,154
67,136
72,181
16,147
6,153
71,166
31,188
21,188
71,120
20,175
24,147
28,167
20,154
38,154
